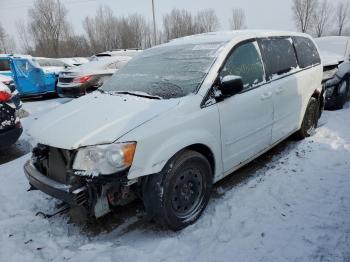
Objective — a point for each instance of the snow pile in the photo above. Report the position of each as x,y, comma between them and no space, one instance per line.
295,208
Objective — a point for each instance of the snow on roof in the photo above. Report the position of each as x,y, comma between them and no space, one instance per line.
227,36
16,55
74,60
121,52
101,63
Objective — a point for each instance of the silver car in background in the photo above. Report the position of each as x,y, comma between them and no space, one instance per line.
78,81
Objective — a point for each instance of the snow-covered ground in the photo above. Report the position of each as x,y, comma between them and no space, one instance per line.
294,206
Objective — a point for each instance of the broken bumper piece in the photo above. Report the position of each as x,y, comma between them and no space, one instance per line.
53,188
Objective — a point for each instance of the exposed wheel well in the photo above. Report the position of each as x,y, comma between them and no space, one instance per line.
205,151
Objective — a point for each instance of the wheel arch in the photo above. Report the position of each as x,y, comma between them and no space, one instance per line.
157,160
203,150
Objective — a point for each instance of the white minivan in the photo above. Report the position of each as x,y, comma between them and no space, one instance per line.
176,119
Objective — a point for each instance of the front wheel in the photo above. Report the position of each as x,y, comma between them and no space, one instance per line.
310,119
176,197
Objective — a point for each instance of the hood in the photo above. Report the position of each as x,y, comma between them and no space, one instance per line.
96,119
329,59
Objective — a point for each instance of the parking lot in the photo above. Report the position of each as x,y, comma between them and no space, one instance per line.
291,204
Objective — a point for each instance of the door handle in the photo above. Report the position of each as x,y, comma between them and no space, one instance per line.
266,95
279,90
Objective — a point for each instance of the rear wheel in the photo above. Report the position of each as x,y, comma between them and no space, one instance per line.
176,197
310,119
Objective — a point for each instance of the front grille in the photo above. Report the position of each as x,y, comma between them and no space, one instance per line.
65,80
53,162
7,117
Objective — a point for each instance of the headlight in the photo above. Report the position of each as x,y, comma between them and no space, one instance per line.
105,159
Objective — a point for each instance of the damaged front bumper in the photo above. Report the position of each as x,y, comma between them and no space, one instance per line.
96,194
66,193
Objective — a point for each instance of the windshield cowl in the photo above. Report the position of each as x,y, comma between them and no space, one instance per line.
134,93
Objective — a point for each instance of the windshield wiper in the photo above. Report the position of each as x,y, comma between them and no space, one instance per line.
144,95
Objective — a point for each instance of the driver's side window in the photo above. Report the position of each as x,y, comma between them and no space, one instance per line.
245,61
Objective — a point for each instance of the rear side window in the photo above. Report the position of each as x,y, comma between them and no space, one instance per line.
279,55
4,65
306,52
245,62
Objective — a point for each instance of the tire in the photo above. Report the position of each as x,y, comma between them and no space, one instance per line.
177,196
310,119
343,90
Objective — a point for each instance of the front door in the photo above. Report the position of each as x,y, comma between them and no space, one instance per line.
283,72
28,78
246,118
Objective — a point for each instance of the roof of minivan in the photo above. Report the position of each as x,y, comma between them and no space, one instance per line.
226,36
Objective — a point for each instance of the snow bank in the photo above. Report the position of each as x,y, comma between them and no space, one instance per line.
296,208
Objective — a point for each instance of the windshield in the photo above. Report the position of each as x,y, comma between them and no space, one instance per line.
167,71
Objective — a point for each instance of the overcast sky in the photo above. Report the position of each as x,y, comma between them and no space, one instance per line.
260,14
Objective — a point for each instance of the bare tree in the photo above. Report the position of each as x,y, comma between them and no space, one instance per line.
25,38
322,17
134,32
238,19
303,13
101,30
206,21
178,23
47,25
107,32
75,45
7,44
342,16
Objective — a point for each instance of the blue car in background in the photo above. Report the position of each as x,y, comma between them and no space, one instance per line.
33,76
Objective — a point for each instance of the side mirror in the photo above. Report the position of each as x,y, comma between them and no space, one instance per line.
231,85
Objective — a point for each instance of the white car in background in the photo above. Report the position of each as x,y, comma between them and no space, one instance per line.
50,65
74,61
335,54
117,52
176,119
78,81
333,49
